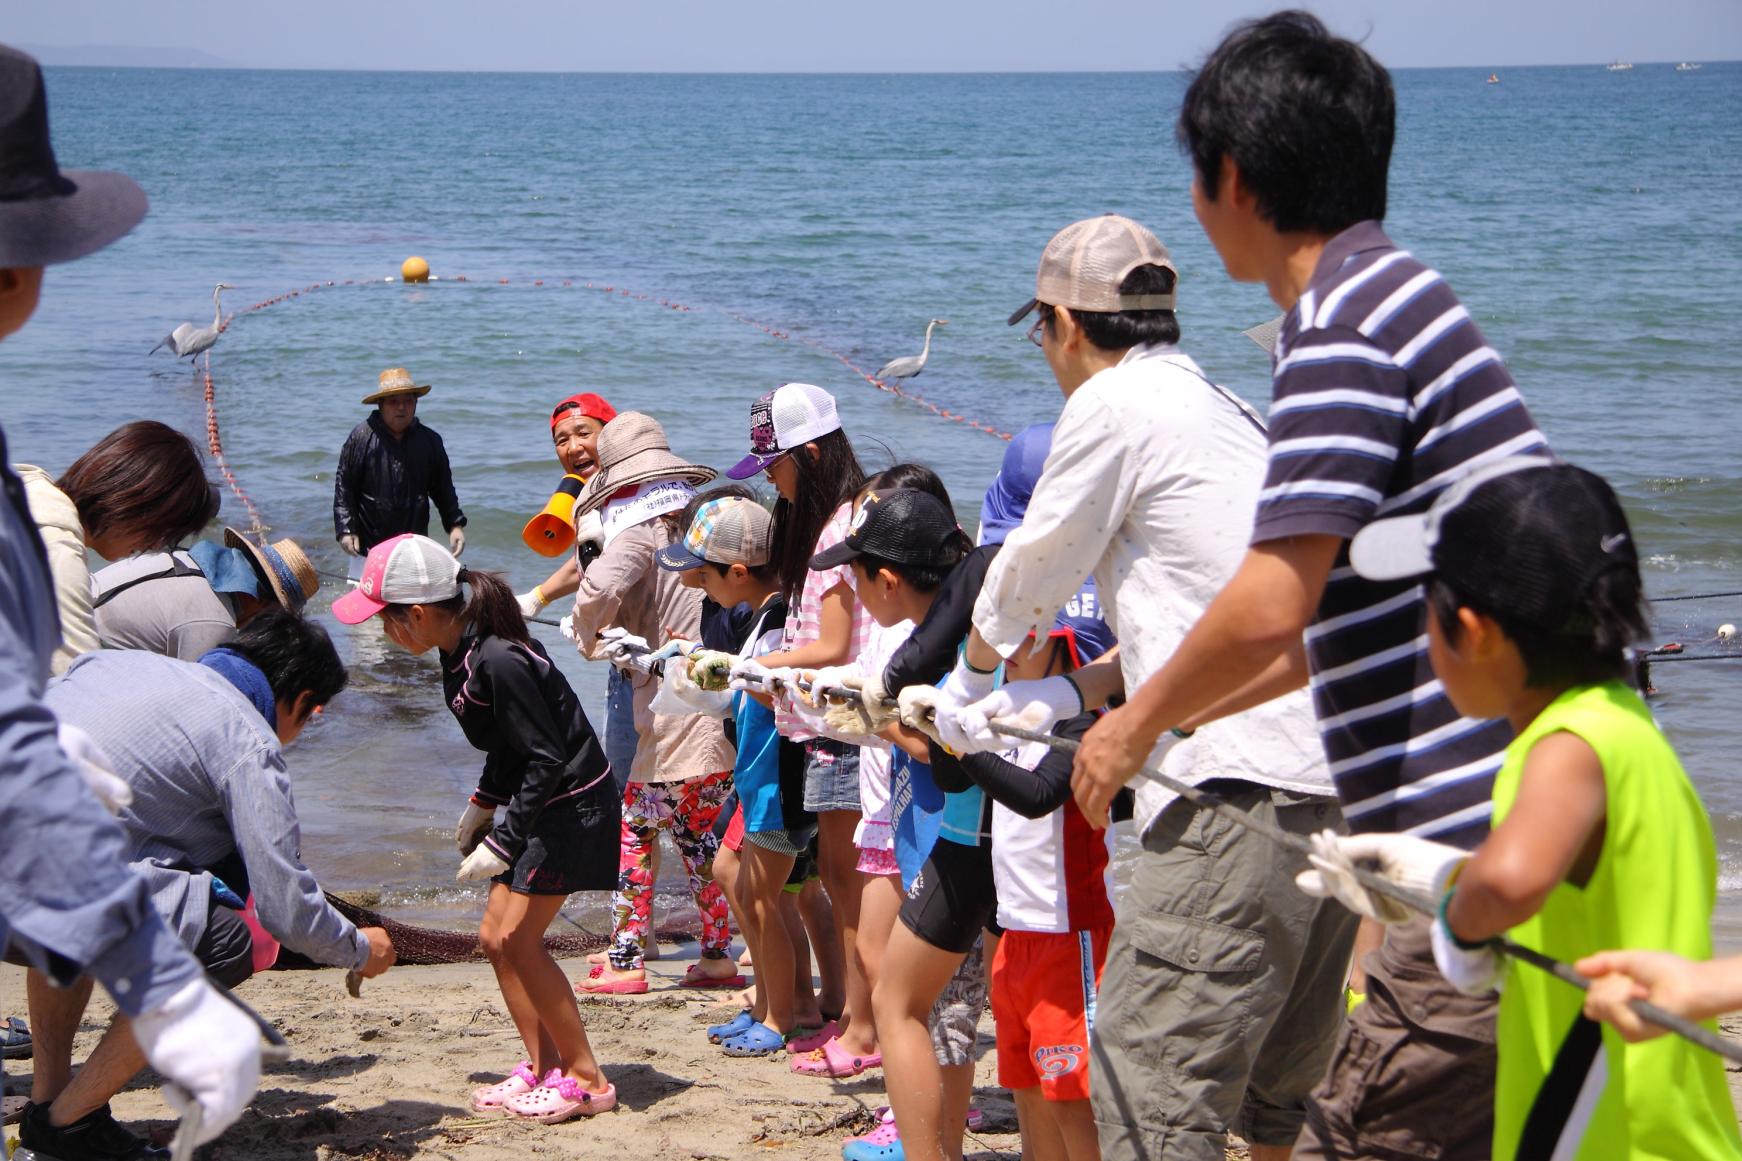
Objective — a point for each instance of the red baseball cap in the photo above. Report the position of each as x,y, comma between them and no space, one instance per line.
586,403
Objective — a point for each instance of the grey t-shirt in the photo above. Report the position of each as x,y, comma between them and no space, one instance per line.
142,604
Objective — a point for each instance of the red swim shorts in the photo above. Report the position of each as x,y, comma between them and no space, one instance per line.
1043,998
734,840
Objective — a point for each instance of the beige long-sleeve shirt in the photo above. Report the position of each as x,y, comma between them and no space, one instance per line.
57,521
626,588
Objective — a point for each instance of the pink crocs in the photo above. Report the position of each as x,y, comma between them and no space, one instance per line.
560,1098
491,1098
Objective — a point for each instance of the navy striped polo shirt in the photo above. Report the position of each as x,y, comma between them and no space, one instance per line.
1384,393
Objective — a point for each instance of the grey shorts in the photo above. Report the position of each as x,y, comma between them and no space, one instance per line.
1223,987
954,1022
782,842
831,776
1413,1071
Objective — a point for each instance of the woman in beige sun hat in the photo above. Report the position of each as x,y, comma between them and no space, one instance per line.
682,774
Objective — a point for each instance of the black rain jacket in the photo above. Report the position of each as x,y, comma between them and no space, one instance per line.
384,485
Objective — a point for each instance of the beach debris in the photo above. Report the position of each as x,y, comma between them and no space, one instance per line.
354,984
1726,632
414,269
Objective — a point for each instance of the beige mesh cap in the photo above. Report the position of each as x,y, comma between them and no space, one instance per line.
1084,264
730,530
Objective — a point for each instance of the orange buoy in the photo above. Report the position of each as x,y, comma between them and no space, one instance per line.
414,269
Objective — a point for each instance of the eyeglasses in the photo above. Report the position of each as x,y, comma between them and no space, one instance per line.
1035,332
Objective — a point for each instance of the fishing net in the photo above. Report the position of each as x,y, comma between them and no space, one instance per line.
426,945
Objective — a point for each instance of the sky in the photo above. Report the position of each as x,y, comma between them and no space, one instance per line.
841,35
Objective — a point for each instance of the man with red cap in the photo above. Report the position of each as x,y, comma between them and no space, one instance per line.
575,424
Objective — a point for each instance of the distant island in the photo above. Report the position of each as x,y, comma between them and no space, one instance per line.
118,56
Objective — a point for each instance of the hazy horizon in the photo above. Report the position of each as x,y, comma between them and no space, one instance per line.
799,36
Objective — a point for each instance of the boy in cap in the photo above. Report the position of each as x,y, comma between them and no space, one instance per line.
1599,839
68,905
728,550
1151,469
1384,393
390,468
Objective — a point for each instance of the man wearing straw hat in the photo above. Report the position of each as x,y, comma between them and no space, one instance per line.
390,468
187,601
68,905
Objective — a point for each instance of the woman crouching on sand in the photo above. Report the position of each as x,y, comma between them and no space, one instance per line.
558,833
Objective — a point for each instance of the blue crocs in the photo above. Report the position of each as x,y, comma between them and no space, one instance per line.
881,1144
731,1028
757,1040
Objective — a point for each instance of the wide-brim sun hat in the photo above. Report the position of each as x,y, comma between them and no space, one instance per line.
633,451
395,381
283,565
49,215
407,569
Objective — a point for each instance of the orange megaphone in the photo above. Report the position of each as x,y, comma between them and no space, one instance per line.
552,531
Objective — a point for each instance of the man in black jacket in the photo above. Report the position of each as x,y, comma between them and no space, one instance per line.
390,468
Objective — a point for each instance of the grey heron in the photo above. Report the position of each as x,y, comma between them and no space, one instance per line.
188,340
911,365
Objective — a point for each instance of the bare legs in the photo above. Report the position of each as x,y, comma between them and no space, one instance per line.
534,987
838,864
930,1102
54,1018
763,884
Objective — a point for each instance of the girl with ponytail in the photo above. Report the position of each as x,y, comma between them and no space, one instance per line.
544,769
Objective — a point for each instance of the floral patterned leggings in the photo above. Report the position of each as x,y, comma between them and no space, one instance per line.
688,810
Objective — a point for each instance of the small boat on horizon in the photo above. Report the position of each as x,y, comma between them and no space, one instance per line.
1687,67
1494,78
1620,66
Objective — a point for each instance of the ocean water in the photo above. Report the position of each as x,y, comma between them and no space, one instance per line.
1589,220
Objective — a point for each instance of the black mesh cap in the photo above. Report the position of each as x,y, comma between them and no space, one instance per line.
1524,538
902,526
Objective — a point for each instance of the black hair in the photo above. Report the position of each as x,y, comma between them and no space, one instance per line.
827,478
914,477
1122,329
925,578
1589,646
144,477
492,609
1307,117
762,572
295,654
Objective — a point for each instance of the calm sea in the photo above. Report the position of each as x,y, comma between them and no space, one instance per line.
1590,221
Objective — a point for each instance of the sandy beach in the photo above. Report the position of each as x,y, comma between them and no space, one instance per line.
387,1076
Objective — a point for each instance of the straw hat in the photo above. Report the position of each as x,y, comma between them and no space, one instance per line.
633,451
282,565
395,381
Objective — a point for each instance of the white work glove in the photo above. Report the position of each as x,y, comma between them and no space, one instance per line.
97,768
589,537
482,863
751,676
1032,705
352,544
868,714
456,540
531,604
566,627
679,696
209,1050
919,709
1418,865
1473,971
966,685
711,669
676,647
474,825
621,647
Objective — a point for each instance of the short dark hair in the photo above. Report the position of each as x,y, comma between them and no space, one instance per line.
1122,329
1590,647
145,477
911,477
294,653
1307,117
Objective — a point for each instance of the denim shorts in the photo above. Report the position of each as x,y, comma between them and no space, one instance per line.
831,776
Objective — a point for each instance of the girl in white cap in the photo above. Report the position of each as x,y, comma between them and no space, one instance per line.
545,769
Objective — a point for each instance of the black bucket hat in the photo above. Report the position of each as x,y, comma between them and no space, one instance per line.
47,214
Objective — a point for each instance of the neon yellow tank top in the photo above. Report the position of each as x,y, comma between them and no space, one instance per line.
1568,1089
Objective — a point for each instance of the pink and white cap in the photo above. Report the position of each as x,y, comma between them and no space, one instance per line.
407,570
